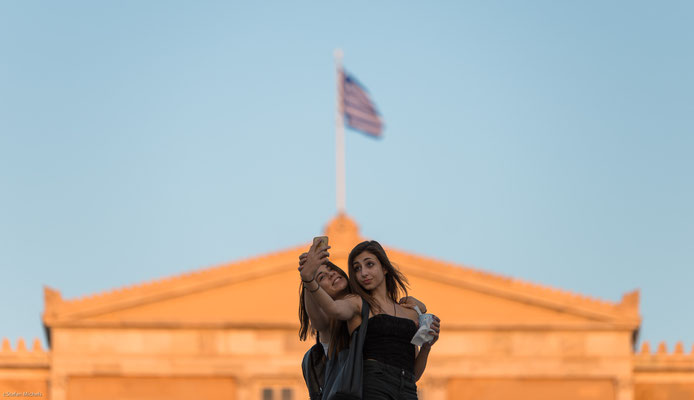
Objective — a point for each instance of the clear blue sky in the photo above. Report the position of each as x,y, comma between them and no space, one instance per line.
543,141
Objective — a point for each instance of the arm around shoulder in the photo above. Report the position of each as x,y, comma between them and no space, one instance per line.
410,302
343,309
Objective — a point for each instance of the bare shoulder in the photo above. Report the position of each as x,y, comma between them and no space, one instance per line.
355,321
354,299
409,313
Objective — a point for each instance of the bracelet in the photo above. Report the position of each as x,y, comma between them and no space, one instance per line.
312,279
313,291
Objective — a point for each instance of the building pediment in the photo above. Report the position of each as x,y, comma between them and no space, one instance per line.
483,299
201,296
263,291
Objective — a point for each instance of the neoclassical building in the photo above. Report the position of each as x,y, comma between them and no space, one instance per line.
231,332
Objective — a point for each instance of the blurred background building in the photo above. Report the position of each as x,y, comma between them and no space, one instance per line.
231,332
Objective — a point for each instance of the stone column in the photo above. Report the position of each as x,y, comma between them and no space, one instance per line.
625,388
244,388
57,387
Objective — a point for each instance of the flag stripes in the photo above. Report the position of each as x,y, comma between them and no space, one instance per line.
360,112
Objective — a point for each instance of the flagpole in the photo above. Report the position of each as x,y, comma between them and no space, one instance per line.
340,138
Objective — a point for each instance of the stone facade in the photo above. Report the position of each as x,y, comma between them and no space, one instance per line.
231,332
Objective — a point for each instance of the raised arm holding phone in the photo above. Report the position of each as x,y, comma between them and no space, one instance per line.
392,364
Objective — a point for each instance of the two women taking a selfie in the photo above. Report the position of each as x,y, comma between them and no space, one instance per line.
331,304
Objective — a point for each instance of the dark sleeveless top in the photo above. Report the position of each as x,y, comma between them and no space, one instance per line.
388,341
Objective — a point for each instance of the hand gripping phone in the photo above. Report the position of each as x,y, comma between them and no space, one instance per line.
321,239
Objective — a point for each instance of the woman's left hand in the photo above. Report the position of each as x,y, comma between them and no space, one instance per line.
434,331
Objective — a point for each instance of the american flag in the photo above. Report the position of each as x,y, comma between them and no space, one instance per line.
360,112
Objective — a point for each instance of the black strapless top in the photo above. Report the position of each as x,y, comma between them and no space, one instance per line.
388,341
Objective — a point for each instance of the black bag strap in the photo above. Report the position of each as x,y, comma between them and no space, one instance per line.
361,334
347,384
364,316
357,358
358,342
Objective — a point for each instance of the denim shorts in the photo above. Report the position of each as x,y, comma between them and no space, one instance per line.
386,382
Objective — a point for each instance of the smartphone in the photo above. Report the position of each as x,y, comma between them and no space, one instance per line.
321,239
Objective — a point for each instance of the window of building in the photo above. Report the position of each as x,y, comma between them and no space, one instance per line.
267,394
287,394
277,393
